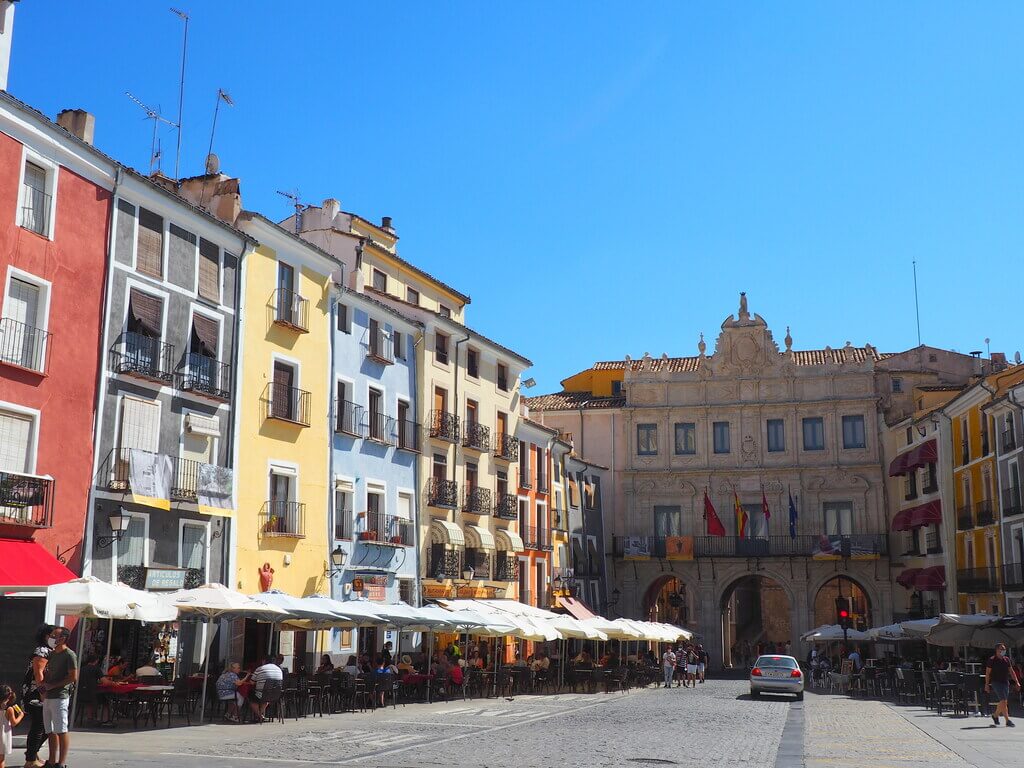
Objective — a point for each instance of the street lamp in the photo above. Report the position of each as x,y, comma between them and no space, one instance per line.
338,558
119,522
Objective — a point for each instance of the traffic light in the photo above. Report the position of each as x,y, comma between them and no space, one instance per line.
843,612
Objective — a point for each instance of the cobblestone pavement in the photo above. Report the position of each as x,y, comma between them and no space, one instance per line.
714,724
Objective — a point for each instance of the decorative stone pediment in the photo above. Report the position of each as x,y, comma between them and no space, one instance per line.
745,346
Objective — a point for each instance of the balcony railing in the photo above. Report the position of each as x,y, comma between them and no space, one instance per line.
985,512
506,447
863,545
381,428
348,418
964,518
115,475
477,501
1009,440
442,493
507,506
23,345
560,519
387,529
283,518
291,310
476,436
380,347
480,562
530,535
409,436
26,500
139,355
542,483
965,452
285,403
506,568
206,376
35,210
444,426
446,565
928,610
1011,502
976,580
1013,576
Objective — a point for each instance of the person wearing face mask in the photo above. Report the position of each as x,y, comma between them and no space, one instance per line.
59,678
32,697
998,674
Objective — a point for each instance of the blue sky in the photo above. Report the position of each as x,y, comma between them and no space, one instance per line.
603,180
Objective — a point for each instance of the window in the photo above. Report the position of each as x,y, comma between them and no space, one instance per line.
471,478
524,465
776,435
441,347
439,470
838,518
145,316
284,396
23,333
910,486
131,549
444,311
524,515
472,363
897,384
16,439
647,439
344,320
140,426
149,244
38,188
542,480
203,369
380,281
685,438
412,296
209,270
668,521
965,442
814,434
721,436
853,432
405,591
931,483
984,435
377,417
398,342
287,300
502,377
616,388
472,417
910,435
192,548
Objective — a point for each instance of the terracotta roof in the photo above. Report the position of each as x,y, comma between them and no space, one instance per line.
800,357
540,426
562,401
464,298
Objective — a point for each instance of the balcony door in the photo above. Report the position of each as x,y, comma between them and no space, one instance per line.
471,480
15,443
376,402
140,431
283,397
144,329
990,555
440,467
838,518
502,429
20,336
202,354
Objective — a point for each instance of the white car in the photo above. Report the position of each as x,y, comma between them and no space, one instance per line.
776,674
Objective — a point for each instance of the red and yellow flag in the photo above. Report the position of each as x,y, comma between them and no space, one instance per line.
741,516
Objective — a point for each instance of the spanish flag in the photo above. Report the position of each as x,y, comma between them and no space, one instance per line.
741,517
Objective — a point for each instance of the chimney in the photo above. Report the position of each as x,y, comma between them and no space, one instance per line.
385,224
6,34
78,123
999,361
331,208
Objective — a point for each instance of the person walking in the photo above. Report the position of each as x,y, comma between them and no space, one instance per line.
59,678
998,674
10,715
31,696
668,664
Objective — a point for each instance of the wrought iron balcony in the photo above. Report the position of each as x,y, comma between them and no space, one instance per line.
480,561
283,518
380,347
291,310
143,356
35,210
23,345
387,529
964,518
542,483
507,506
409,436
446,565
506,447
381,428
26,500
985,512
1012,502
506,568
477,436
444,426
285,403
1013,576
864,545
1009,440
530,535
115,474
477,501
348,418
442,493
927,610
975,580
206,376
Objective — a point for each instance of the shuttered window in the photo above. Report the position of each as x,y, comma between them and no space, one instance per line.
209,270
205,333
15,442
132,547
193,547
145,314
149,251
140,425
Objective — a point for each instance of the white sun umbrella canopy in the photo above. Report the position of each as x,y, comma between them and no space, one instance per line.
611,629
302,610
918,628
570,627
91,598
890,632
831,632
972,629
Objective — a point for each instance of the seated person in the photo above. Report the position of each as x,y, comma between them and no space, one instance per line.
457,672
519,661
475,661
115,670
267,677
326,665
406,667
227,689
88,687
147,671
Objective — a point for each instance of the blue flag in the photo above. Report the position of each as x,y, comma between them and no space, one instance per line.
792,517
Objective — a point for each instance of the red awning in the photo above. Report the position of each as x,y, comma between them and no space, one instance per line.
901,522
575,608
926,454
27,564
915,517
898,466
931,578
908,577
916,458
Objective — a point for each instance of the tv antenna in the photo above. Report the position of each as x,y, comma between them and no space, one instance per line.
224,96
181,85
157,118
297,205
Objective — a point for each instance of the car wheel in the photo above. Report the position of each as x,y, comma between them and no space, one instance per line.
754,694
800,696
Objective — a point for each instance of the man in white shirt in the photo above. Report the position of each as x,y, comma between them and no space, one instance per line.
668,664
267,678
147,671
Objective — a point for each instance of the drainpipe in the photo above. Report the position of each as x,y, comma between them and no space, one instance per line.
417,581
334,296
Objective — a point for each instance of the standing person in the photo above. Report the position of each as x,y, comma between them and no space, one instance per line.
691,665
11,715
59,678
702,662
668,663
998,674
31,696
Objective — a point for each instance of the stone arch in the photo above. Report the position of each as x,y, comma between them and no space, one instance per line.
751,612
864,584
653,593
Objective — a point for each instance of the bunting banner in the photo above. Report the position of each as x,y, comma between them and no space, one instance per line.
213,490
839,547
149,475
714,525
636,548
679,547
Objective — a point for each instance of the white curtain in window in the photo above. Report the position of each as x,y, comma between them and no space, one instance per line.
838,518
140,425
131,548
15,441
667,521
193,547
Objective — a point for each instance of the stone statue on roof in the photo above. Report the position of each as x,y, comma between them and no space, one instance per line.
744,314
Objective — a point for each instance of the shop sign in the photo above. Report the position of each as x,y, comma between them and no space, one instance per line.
165,578
357,584
435,591
476,592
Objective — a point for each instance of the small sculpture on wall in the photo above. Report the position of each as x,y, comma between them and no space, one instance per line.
266,577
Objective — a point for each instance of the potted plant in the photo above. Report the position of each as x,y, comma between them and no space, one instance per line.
368,535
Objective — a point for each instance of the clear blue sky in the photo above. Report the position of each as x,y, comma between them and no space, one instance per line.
604,181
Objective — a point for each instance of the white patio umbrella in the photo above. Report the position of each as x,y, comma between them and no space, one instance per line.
890,633
611,629
832,632
215,601
955,630
918,628
570,627
300,609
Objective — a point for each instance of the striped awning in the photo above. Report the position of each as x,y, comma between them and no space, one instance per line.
449,533
509,540
479,537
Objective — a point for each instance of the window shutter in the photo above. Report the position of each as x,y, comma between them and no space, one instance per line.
140,425
209,270
206,331
147,311
131,548
404,506
193,547
150,244
15,440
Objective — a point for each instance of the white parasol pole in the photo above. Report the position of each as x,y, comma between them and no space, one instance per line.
430,660
81,642
206,672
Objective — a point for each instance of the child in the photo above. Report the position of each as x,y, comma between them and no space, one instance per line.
11,715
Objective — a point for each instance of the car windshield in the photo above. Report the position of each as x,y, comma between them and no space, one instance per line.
784,662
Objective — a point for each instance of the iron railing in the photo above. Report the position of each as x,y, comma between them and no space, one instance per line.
381,428
477,501
964,518
291,310
444,426
560,519
974,580
1013,576
26,500
442,493
985,512
23,345
506,568
507,506
286,403
35,210
927,610
530,535
864,545
115,475
348,418
1011,502
506,447
480,562
380,346
139,355
387,529
409,435
1009,440
965,452
476,436
446,565
206,376
283,518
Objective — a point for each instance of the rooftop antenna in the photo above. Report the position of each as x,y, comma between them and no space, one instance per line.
297,205
224,96
917,306
157,118
181,86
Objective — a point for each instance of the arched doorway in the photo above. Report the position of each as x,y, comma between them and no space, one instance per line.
667,600
756,612
841,586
